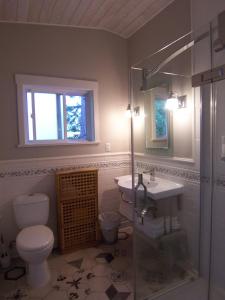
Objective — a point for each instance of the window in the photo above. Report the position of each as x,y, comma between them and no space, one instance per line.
160,118
56,111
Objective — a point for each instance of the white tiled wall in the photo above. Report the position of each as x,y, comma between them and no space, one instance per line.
44,182
190,203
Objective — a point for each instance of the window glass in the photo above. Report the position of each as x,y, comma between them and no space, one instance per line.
45,116
30,116
75,117
46,111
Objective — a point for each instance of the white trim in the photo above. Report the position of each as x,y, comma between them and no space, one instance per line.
63,119
59,83
52,84
33,118
57,143
44,166
79,156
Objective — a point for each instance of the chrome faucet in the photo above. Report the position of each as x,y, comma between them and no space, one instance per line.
151,172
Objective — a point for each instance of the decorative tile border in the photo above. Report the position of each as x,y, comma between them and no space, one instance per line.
188,175
40,167
51,170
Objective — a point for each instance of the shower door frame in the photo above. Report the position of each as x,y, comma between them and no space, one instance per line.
209,78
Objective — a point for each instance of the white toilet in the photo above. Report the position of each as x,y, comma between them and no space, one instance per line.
35,241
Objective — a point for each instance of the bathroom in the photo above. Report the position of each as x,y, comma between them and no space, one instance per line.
92,54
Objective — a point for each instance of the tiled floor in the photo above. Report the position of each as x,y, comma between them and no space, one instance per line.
101,273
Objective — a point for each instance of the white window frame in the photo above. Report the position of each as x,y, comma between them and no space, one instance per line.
51,85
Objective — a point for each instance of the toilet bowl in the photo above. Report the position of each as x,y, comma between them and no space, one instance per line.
34,244
35,241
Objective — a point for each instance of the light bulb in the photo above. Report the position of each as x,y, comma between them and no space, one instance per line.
172,102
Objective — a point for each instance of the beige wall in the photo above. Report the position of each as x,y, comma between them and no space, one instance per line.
204,11
69,53
167,26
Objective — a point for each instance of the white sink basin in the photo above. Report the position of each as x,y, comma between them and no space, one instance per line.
158,189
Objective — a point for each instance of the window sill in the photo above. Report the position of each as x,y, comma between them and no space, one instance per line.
47,144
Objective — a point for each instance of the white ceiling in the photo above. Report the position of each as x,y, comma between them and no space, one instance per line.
123,17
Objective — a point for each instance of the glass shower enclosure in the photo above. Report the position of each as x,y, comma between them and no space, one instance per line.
178,169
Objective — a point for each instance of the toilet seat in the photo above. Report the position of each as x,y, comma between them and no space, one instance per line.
34,238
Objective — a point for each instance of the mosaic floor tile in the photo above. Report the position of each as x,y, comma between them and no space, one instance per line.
81,293
17,294
120,263
90,275
99,284
117,292
119,276
76,255
39,293
97,296
102,270
92,252
57,295
111,291
104,257
122,287
88,263
76,263
56,263
78,275
6,286
121,296
15,273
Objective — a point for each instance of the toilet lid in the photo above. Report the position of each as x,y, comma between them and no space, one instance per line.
34,237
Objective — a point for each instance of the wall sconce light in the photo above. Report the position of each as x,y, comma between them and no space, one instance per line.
134,113
174,102
128,111
182,101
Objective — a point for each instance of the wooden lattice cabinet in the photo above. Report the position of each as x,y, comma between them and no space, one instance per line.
77,200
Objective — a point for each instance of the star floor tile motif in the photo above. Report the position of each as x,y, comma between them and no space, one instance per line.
86,274
75,283
17,295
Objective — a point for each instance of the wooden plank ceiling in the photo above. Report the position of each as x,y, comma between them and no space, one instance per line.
122,17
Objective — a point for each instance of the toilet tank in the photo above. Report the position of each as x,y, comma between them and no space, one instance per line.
31,210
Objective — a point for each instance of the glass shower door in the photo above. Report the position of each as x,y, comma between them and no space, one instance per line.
217,263
166,172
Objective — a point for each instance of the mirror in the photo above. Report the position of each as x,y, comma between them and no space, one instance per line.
173,134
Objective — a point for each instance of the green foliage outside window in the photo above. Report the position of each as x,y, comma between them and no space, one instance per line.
160,118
